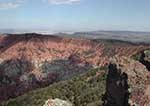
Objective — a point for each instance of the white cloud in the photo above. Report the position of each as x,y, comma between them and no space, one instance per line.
63,1
11,5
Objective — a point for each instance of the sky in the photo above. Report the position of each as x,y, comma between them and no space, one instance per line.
75,15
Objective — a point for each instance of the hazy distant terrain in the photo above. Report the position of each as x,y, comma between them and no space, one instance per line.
133,36
118,35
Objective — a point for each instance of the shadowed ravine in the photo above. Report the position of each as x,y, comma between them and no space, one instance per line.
17,76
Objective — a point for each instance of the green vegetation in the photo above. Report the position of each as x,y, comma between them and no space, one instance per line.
57,51
147,53
115,42
88,52
136,56
42,49
83,90
21,49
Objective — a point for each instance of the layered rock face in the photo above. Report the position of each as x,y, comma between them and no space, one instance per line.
128,83
38,48
30,61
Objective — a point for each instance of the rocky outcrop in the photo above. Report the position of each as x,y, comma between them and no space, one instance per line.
57,102
127,83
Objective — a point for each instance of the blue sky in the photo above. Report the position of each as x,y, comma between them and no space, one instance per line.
75,15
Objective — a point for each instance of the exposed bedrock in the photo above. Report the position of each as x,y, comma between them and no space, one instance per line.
128,83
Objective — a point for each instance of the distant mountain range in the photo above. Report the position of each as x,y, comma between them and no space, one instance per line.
132,36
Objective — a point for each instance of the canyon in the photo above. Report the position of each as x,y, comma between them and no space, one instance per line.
29,61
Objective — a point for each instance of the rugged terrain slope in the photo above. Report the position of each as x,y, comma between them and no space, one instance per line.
125,82
29,61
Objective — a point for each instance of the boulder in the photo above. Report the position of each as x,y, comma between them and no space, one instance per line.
57,102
